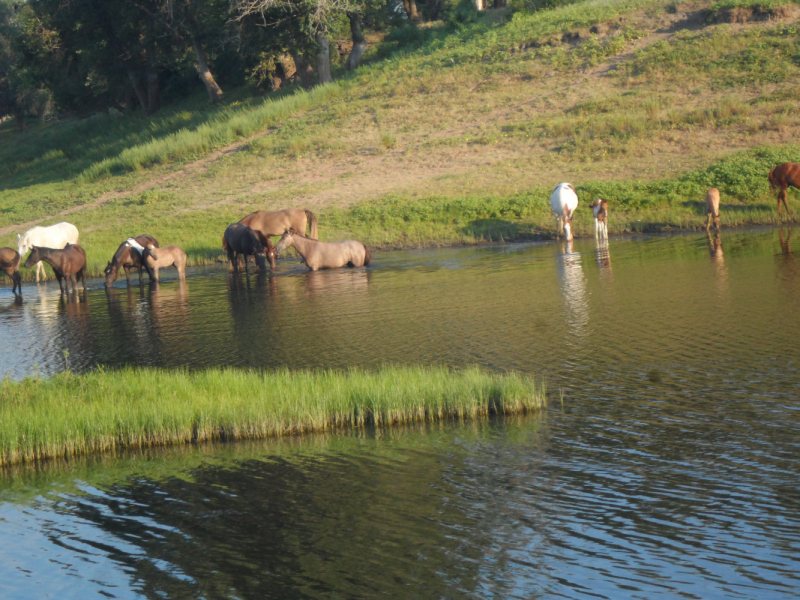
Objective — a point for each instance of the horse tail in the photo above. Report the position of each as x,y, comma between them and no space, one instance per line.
367,256
224,244
312,219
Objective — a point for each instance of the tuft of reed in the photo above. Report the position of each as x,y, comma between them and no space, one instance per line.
70,415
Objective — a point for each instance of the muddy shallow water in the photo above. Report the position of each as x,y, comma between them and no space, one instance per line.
667,463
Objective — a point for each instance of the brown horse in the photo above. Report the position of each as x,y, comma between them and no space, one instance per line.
712,208
69,264
321,255
269,248
269,223
126,257
781,177
9,264
168,256
240,240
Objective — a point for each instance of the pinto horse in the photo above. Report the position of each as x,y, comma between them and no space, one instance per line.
9,264
269,223
321,255
55,236
781,177
69,264
129,256
600,211
564,201
240,240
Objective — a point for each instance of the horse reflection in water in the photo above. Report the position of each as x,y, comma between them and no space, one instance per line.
603,257
170,318
718,260
788,265
573,288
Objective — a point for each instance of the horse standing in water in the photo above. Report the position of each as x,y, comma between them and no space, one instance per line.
129,256
563,202
241,240
167,257
712,208
600,211
56,236
9,264
69,264
781,177
321,255
269,223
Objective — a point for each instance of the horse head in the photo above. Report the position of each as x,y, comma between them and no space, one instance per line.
110,273
567,224
22,244
33,258
285,241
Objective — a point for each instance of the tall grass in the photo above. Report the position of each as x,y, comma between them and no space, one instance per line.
71,414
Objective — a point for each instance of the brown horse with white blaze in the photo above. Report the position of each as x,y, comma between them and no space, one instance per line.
69,264
9,264
781,177
129,257
270,223
322,255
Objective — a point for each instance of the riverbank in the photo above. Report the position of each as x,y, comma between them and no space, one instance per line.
70,415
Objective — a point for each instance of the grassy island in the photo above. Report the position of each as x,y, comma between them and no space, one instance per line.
69,415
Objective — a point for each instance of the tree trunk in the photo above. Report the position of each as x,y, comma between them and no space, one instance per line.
303,70
479,4
359,42
324,58
214,91
19,117
137,90
153,91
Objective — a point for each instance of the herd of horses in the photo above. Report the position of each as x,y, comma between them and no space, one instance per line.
58,245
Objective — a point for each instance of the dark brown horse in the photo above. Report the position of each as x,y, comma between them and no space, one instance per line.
781,177
270,223
269,248
127,257
9,264
240,240
69,264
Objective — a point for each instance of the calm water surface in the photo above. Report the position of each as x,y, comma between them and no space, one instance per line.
667,464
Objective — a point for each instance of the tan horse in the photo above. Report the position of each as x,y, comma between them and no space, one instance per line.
712,208
9,264
269,223
321,255
168,256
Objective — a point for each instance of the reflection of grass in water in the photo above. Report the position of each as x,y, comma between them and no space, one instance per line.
104,410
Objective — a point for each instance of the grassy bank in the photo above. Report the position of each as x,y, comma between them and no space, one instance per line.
70,414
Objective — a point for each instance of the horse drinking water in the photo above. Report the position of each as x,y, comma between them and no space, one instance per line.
69,263
127,256
781,177
241,240
9,264
712,208
563,202
321,255
56,236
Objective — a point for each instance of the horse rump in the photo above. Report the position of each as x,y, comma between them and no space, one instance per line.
367,256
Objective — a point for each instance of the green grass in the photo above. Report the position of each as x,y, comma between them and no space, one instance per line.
71,415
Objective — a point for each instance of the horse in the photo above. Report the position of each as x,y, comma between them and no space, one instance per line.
69,263
268,223
168,256
9,264
241,240
782,176
600,211
564,201
265,241
55,236
127,256
322,255
712,208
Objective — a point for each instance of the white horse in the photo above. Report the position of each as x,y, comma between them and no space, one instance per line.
564,201
56,236
600,210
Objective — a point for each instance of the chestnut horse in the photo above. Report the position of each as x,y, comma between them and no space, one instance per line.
241,240
269,223
168,256
600,211
321,255
781,177
712,208
563,202
9,264
128,256
69,264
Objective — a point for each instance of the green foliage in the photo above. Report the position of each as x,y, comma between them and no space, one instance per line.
71,415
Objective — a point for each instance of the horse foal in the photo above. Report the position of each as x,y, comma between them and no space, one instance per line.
712,208
9,264
168,256
600,211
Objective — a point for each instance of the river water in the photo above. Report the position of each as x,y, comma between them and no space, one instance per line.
666,465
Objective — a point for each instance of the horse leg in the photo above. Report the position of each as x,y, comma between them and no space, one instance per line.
246,272
785,198
781,196
60,284
127,274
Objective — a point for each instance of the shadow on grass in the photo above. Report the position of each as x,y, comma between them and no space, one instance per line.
700,207
501,230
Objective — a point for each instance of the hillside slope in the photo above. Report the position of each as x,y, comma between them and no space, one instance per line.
458,136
